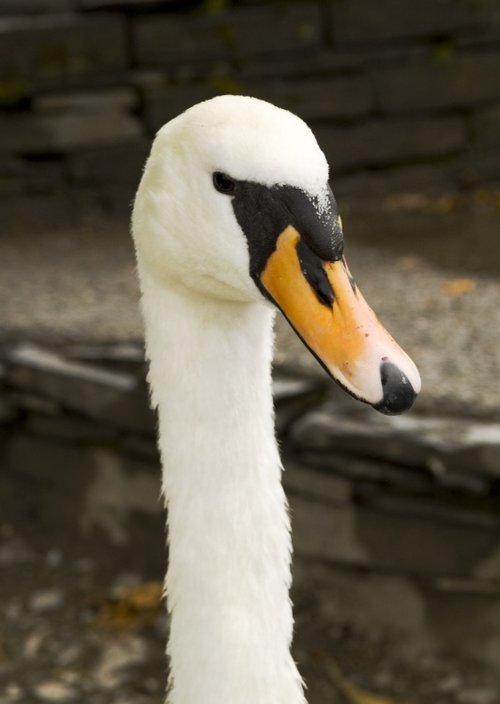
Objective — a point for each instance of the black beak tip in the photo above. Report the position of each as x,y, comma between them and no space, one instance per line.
399,394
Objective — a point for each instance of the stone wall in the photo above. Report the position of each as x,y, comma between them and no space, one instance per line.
403,96
425,486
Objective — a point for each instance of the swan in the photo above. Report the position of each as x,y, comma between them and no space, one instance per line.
234,219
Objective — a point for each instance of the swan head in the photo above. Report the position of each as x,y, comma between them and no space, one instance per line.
235,204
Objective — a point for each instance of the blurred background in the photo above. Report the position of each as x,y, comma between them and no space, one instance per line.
396,520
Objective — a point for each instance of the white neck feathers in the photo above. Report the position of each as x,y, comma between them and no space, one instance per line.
229,535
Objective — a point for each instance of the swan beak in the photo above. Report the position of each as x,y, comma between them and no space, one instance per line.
333,319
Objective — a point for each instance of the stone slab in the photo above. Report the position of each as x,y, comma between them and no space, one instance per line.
70,429
424,178
293,396
116,398
121,98
129,4
486,125
481,166
458,81
380,142
20,176
58,49
164,100
361,21
160,39
394,542
319,98
34,7
27,134
8,411
442,446
312,98
120,164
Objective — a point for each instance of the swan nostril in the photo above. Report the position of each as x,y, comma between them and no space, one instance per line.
399,394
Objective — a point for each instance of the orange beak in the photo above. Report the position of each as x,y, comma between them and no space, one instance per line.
344,333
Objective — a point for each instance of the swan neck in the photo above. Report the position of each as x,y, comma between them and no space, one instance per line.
228,528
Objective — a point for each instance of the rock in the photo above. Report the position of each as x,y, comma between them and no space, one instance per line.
20,176
152,685
477,696
163,101
140,447
70,428
13,692
316,485
70,654
163,39
29,134
14,552
319,98
323,533
13,610
46,600
451,684
33,644
8,411
310,98
461,81
35,7
115,494
480,166
324,62
381,142
32,402
122,98
119,164
124,582
355,468
118,398
53,691
127,352
7,531
100,4
486,127
116,657
54,558
293,396
59,48
84,565
360,21
445,446
417,178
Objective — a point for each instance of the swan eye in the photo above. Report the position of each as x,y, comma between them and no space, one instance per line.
223,183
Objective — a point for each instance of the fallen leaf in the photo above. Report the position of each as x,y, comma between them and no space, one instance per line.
406,201
352,694
133,609
410,262
458,287
444,204
357,696
148,595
